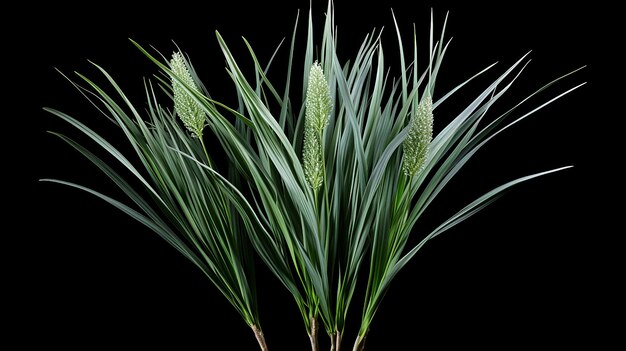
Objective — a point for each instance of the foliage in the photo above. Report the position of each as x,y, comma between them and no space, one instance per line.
320,188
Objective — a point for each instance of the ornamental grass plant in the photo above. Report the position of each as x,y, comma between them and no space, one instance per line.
324,187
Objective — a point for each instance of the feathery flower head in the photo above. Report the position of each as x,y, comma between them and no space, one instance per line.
416,144
318,107
318,100
188,110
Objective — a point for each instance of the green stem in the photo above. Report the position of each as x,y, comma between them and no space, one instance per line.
206,154
359,344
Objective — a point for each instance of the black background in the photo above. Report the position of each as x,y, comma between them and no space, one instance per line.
535,269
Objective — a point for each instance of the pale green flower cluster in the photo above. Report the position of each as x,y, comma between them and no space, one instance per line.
420,135
318,108
189,110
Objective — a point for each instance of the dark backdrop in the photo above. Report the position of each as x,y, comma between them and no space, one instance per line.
531,270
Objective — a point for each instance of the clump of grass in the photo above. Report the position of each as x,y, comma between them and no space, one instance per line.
334,181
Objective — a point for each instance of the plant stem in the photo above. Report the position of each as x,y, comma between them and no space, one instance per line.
206,154
335,341
313,334
258,333
359,344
